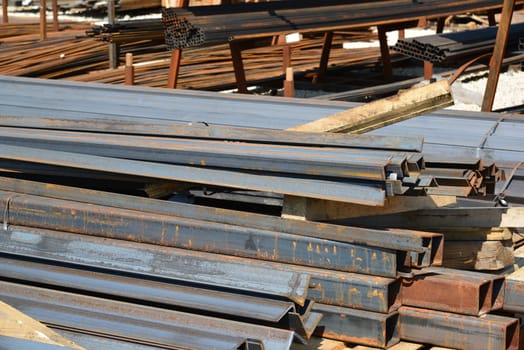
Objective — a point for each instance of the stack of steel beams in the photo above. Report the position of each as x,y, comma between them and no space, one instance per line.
442,48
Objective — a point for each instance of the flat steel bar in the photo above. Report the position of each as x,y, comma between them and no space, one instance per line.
357,326
366,194
449,330
514,292
147,325
428,244
199,235
7,343
216,132
470,296
200,300
198,268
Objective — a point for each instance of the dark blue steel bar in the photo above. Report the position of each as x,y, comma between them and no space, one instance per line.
514,292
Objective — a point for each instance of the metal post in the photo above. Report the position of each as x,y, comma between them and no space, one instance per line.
55,15
384,51
5,18
174,68
238,66
495,64
43,24
324,58
113,48
129,70
289,83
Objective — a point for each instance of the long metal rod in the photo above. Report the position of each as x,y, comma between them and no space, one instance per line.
366,194
495,64
199,235
429,244
136,323
200,269
458,331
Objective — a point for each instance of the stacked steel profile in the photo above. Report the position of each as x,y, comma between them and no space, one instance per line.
109,266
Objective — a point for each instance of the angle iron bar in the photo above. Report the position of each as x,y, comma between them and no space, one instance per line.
148,325
217,132
358,326
416,241
201,301
358,291
366,194
449,330
95,341
199,235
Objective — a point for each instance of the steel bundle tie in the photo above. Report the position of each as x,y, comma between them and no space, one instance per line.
6,211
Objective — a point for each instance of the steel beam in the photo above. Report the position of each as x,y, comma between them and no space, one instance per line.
361,193
203,269
357,326
514,292
137,323
429,246
196,300
456,331
27,344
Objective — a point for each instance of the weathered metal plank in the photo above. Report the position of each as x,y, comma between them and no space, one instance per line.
488,332
357,326
363,193
287,281
428,245
142,324
514,292
471,296
199,235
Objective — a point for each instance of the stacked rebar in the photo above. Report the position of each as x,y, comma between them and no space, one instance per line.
441,48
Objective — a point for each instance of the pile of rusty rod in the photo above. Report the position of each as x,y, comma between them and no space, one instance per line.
17,29
441,48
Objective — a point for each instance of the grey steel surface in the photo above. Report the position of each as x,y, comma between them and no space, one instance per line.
136,323
202,301
199,235
11,343
514,292
288,281
358,326
362,193
450,330
425,243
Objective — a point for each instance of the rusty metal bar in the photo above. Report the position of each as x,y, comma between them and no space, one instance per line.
137,323
495,63
428,244
357,326
287,281
55,15
324,57
384,51
174,68
200,235
458,331
5,13
238,66
129,70
43,20
470,296
112,47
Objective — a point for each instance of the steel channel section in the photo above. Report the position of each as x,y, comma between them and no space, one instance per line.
200,235
514,292
200,269
361,193
428,245
217,132
470,296
147,325
358,326
487,332
201,301
93,341
327,161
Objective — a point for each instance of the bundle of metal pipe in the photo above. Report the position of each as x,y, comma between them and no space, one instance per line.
440,48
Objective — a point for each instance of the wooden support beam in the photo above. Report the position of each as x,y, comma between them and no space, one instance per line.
478,255
370,116
16,324
324,58
495,64
384,51
289,83
441,22
129,70
238,66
